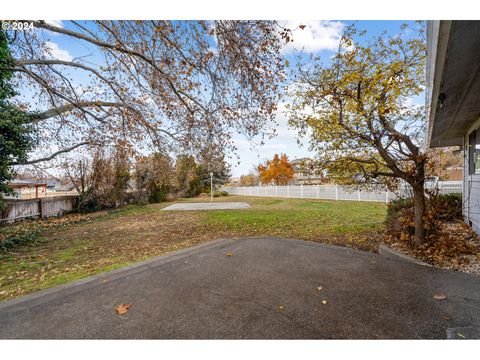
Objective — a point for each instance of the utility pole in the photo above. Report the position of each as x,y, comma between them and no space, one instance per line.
211,186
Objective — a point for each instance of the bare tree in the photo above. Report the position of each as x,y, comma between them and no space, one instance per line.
168,84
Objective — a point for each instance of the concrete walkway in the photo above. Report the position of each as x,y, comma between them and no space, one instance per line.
268,289
207,206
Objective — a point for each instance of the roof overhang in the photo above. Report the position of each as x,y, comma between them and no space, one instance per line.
26,185
453,80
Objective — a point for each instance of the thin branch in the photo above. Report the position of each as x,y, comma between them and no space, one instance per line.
81,104
50,157
68,63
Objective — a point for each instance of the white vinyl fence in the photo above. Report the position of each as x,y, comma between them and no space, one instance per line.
336,192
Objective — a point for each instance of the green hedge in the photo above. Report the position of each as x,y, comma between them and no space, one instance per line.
445,206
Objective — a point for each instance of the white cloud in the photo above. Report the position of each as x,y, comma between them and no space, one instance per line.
316,36
53,51
274,147
57,23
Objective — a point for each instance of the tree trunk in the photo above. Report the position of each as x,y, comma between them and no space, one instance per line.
419,210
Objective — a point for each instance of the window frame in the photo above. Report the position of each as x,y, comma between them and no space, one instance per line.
474,152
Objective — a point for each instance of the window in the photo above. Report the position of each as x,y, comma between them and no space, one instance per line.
474,152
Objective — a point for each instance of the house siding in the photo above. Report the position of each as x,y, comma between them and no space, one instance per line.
471,187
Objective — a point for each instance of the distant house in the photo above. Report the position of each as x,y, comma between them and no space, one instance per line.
307,172
66,187
28,189
453,173
52,184
453,101
233,181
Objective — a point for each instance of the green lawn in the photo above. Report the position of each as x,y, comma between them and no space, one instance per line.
300,218
69,250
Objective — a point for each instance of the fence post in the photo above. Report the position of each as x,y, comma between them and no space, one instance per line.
317,190
288,191
276,190
41,209
336,192
258,191
301,191
358,195
386,196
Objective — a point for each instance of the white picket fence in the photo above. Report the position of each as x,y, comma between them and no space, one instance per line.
335,192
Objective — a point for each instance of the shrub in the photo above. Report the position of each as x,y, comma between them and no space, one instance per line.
19,233
18,239
439,207
158,195
396,206
446,207
88,202
220,193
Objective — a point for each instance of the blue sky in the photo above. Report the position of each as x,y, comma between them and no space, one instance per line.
318,37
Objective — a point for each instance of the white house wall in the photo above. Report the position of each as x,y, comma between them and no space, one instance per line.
471,188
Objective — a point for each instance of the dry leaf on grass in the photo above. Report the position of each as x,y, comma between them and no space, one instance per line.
439,297
319,288
229,254
122,308
280,307
324,302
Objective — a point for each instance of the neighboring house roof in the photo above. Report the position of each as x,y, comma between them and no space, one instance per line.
22,182
453,80
65,187
53,182
19,183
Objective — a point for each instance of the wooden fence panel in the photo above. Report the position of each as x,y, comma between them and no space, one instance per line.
44,207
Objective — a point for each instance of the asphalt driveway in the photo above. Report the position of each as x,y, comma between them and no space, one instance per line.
267,289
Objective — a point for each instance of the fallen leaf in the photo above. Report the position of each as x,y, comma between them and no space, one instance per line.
461,335
302,26
105,281
324,302
280,307
319,288
229,254
122,308
439,297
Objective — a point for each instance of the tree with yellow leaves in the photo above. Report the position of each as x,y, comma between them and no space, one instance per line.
359,110
278,170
